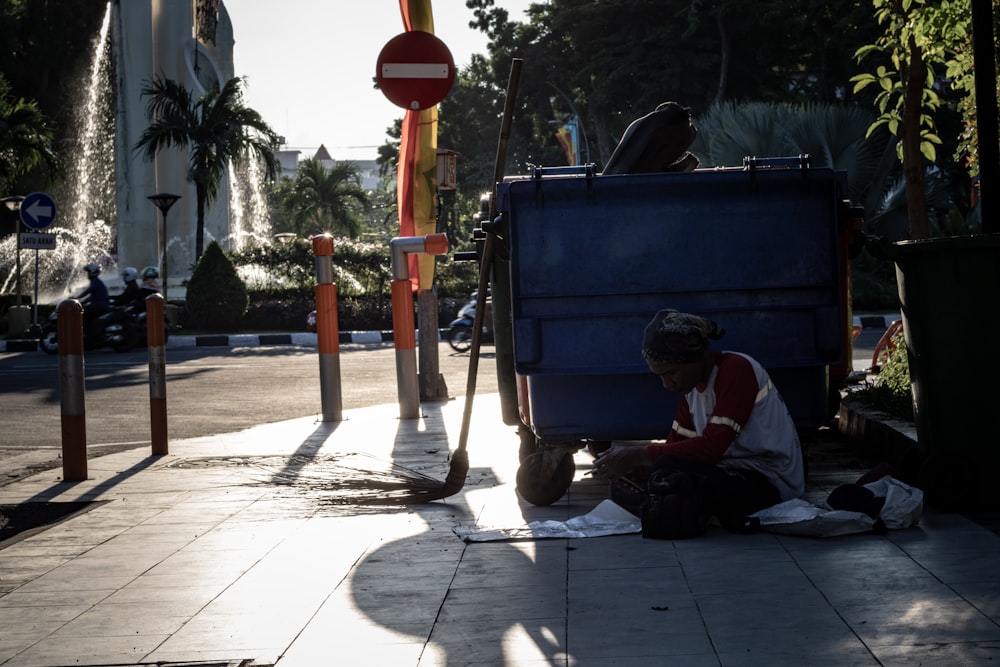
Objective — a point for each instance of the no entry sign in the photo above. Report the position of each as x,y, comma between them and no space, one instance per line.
415,70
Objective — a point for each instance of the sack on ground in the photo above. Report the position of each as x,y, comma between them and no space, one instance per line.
674,506
885,504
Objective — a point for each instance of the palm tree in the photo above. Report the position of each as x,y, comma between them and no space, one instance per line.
216,128
325,199
833,135
25,138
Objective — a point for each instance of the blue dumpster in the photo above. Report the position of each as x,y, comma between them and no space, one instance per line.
592,258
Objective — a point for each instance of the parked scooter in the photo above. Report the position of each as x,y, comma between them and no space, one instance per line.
115,329
460,329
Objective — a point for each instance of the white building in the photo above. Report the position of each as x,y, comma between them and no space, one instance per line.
289,159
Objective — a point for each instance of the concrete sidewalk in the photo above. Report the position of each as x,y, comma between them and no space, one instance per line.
232,550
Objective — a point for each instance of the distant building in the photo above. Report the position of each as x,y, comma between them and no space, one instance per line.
289,162
289,159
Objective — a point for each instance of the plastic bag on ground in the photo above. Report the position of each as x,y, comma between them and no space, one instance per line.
902,508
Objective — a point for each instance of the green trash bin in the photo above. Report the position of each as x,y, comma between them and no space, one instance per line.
948,289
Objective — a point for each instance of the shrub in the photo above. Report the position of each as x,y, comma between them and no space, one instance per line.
277,266
358,267
216,296
278,310
890,392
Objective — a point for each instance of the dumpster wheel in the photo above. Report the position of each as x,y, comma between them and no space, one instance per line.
544,476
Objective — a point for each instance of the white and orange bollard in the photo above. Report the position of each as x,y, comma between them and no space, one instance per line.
155,344
327,330
71,391
403,329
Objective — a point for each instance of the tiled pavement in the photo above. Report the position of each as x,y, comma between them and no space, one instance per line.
233,550
229,550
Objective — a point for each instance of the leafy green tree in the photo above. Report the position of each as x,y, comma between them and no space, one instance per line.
45,59
961,72
611,63
25,138
918,45
216,128
322,199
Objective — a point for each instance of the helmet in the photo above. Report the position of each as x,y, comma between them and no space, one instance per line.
150,272
93,270
129,274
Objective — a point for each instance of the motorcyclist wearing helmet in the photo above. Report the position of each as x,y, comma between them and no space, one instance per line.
149,287
96,299
131,294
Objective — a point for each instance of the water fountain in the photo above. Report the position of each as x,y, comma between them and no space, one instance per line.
249,217
104,214
85,199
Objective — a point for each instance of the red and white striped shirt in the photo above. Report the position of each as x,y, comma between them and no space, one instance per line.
738,420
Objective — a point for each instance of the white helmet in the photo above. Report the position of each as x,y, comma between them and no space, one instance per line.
130,274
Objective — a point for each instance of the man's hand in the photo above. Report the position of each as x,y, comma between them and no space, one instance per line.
620,460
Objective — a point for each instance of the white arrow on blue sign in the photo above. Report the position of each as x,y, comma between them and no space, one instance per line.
38,210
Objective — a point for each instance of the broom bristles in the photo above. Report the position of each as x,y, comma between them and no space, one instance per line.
347,483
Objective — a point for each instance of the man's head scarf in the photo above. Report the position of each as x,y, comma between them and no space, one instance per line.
673,337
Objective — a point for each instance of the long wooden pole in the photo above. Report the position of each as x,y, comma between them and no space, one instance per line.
984,59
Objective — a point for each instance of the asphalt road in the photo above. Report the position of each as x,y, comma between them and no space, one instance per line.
209,391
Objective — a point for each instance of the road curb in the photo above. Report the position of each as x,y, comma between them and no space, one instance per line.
299,339
306,339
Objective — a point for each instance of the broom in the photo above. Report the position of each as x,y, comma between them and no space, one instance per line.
459,466
400,485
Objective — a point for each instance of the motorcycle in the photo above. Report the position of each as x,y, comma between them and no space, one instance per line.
115,329
141,333
460,329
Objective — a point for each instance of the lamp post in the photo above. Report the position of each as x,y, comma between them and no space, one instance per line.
13,204
163,202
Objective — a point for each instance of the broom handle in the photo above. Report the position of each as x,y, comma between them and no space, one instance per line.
487,261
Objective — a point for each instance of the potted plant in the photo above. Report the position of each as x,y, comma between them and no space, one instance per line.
946,284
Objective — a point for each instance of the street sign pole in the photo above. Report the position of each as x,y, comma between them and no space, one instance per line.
34,302
38,242
17,287
37,211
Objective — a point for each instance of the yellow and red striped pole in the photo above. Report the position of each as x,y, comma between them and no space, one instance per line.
403,330
71,391
156,343
327,330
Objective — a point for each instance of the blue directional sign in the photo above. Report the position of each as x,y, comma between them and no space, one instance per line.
38,210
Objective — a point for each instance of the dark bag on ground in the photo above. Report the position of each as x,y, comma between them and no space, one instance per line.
675,505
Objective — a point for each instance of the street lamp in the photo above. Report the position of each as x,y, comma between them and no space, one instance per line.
163,202
13,204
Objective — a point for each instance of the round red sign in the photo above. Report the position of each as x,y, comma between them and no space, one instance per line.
415,70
